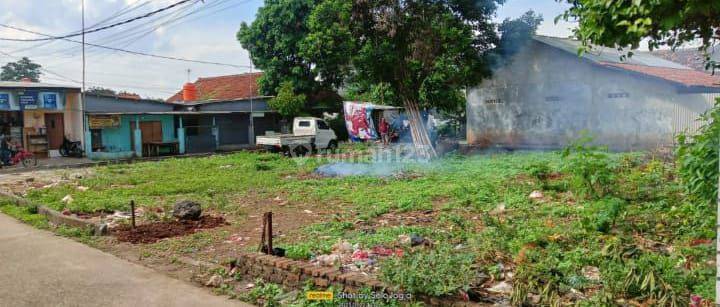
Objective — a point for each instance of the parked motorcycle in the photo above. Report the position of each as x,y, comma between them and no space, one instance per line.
71,148
21,156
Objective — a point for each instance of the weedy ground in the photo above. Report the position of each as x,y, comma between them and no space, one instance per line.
606,228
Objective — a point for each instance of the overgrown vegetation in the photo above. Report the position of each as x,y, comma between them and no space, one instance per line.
698,157
607,227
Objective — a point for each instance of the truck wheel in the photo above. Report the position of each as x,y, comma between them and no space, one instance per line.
333,146
300,151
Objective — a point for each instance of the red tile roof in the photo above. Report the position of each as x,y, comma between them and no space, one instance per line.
232,87
687,77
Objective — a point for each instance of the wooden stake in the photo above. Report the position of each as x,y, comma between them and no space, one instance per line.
269,233
132,212
266,235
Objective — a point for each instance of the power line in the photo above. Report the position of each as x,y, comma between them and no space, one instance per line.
129,51
86,31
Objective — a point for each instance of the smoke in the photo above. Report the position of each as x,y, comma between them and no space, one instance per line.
392,161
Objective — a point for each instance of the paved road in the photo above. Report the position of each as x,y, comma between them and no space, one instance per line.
38,268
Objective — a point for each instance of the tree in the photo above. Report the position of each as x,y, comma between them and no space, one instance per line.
276,42
515,33
97,90
23,68
662,23
287,103
425,52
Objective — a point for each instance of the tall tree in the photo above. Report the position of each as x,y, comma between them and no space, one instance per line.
23,68
425,52
276,42
515,33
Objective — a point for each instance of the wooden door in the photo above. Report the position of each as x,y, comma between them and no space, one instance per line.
55,129
151,131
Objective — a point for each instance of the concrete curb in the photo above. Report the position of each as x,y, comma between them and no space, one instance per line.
57,218
113,162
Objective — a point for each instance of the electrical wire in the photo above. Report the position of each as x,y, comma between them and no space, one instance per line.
89,31
130,51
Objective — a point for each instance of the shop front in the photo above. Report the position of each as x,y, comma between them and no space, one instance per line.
38,116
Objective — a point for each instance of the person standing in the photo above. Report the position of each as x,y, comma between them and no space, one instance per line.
384,127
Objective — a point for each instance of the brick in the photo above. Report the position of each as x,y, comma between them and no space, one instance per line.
321,282
325,271
307,268
343,277
292,277
333,275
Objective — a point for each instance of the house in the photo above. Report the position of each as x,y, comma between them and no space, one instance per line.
38,115
224,112
211,114
120,127
545,95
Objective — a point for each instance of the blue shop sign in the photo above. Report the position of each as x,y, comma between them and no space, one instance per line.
28,100
4,101
49,100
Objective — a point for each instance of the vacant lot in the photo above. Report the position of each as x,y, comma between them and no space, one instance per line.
525,227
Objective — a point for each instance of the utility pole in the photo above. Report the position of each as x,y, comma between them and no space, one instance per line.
82,93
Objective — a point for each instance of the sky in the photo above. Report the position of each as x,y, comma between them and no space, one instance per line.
200,30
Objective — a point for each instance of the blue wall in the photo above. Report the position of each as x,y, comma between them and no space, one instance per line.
118,139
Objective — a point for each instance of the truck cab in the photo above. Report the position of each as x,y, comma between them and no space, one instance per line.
318,128
309,134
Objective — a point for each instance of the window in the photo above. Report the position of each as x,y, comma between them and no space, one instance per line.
304,123
322,125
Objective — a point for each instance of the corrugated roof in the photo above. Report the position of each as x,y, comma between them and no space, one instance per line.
607,55
690,57
687,77
21,84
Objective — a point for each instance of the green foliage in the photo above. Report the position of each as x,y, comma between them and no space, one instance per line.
451,270
286,102
27,215
627,23
516,33
541,172
603,214
278,42
264,294
697,157
23,68
591,167
478,204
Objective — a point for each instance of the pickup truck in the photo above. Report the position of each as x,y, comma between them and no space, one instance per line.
309,135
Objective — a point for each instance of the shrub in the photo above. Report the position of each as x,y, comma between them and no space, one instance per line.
541,173
590,167
697,157
265,294
607,212
437,272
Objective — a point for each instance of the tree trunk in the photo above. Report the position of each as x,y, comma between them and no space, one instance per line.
421,139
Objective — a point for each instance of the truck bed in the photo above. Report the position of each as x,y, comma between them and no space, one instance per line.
284,140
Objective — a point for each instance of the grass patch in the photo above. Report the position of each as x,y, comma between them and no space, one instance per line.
623,214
